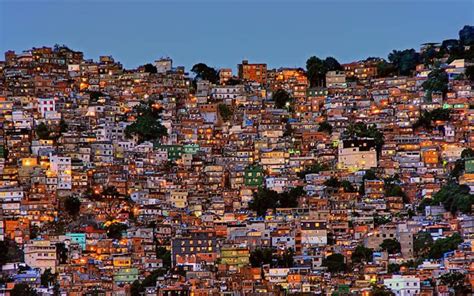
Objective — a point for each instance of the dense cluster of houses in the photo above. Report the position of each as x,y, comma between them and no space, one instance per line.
146,181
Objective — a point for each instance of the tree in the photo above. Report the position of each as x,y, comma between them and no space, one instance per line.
263,200
316,69
405,61
266,199
437,82
385,69
63,127
332,64
381,291
165,255
427,118
225,112
332,182
286,259
147,126
314,169
369,175
362,254
335,263
469,72
325,127
62,253
362,130
72,205
281,98
23,289
48,278
149,68
261,256
467,153
466,35
422,243
347,186
456,282
444,245
95,95
42,131
205,72
392,246
34,231
454,198
392,188
138,288
393,268
381,220
9,251
114,231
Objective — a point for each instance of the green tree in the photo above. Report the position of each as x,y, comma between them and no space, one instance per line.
347,186
392,188
9,251
72,205
454,198
316,69
23,289
61,253
205,72
96,95
332,64
332,182
261,256
444,245
469,72
422,243
392,246
34,231
467,153
149,68
165,255
314,169
263,200
362,130
114,231
63,127
286,259
362,254
466,35
405,61
426,118
437,82
136,288
369,175
393,268
381,291
456,282
325,127
48,278
335,263
281,98
147,126
385,69
42,131
225,112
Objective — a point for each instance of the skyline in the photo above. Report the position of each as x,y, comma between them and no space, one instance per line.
377,29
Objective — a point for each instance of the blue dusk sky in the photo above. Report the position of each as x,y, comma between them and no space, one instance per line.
222,33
